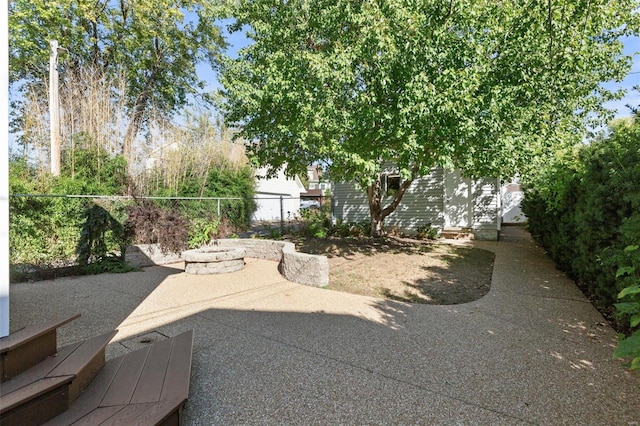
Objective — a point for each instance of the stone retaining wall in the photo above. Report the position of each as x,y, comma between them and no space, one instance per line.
142,255
301,268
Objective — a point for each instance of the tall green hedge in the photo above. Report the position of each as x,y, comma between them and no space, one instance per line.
584,209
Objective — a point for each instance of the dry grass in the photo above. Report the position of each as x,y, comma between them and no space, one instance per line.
405,270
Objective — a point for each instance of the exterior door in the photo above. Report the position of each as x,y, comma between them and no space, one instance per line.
458,202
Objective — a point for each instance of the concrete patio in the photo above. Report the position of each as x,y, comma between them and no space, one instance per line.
269,351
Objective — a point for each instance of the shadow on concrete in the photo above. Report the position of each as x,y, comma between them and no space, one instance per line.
268,351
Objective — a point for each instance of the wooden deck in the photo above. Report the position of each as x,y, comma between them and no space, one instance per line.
49,388
73,385
145,387
26,347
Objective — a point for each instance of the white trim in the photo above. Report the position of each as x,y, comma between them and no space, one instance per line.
4,174
498,205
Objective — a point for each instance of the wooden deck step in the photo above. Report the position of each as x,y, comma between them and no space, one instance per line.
48,388
145,387
25,348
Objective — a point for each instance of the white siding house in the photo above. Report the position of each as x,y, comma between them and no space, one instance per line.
442,198
277,198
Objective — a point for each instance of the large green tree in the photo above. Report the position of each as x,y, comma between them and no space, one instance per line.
154,44
484,86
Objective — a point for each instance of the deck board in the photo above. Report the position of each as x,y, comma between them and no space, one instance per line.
124,384
27,334
129,415
176,384
87,350
38,371
97,416
31,391
145,387
152,379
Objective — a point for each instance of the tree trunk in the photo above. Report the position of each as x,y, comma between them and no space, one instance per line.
374,195
137,116
133,128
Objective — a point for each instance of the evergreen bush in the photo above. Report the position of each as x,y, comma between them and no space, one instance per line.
584,209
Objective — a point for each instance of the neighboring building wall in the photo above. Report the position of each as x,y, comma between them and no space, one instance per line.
316,180
465,203
512,196
486,203
349,203
277,198
271,207
458,201
486,209
421,204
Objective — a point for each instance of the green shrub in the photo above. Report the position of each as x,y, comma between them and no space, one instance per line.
93,168
629,347
351,229
584,209
223,181
202,231
46,230
230,182
427,232
315,223
104,238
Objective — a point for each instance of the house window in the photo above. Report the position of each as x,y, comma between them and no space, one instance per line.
392,185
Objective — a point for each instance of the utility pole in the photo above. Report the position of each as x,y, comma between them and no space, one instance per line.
54,108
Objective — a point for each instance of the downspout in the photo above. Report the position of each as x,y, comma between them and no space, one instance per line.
4,175
498,207
471,203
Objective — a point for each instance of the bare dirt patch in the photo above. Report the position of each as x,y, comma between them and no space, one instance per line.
404,269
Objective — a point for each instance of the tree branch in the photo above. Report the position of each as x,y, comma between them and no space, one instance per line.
404,186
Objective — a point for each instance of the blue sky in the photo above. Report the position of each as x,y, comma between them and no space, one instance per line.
631,48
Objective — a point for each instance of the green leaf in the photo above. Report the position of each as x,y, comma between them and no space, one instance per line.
418,84
625,270
145,44
627,307
635,289
631,248
628,347
635,320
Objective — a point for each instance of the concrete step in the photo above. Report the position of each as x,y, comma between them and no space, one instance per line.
457,234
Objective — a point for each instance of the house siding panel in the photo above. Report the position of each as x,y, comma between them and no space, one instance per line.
349,203
486,203
277,198
421,204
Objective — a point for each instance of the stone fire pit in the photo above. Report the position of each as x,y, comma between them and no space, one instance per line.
213,260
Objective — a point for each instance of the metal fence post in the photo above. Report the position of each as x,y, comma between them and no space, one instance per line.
281,214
